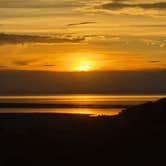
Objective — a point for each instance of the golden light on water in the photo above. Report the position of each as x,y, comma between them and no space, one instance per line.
83,111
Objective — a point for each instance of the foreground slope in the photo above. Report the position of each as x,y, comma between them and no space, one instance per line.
134,137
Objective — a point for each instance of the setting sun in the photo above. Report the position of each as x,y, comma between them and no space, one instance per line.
84,66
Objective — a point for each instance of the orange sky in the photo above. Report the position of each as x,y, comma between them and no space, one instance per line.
82,35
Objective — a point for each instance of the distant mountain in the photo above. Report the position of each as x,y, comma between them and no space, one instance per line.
109,82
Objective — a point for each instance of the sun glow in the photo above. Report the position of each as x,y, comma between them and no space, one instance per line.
84,66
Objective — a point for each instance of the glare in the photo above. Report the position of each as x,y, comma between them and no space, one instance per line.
84,66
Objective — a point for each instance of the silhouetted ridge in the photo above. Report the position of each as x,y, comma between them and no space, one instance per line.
147,111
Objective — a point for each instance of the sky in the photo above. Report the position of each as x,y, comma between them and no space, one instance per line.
82,35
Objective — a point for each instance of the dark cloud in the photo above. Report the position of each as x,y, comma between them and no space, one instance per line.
160,5
114,6
81,23
21,39
118,5
154,61
3,66
23,62
30,62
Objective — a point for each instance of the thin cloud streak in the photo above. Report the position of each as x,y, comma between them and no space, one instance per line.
81,23
118,5
22,39
38,4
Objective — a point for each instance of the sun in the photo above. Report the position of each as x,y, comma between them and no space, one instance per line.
84,66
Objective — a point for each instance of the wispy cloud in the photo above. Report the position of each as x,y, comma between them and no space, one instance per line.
23,62
38,4
3,66
30,62
119,5
149,25
154,61
21,39
49,65
81,23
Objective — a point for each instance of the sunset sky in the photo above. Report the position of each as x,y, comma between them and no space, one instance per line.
82,35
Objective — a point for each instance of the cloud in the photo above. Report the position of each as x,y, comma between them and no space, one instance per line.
118,5
30,62
38,4
149,25
22,39
23,62
154,61
81,23
49,65
119,0
3,66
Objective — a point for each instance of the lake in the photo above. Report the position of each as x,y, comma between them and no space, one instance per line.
77,104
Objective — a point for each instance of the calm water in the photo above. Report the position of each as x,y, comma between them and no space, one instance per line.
114,103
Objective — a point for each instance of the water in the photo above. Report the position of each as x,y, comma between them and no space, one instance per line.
78,104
